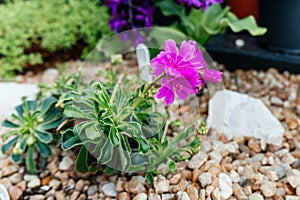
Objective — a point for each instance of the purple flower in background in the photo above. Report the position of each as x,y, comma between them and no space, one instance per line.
203,4
130,14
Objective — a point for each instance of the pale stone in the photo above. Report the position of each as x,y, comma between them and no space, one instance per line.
294,178
143,59
167,196
4,195
258,120
161,185
109,189
268,189
225,185
66,163
197,160
141,196
94,188
205,179
34,183
235,177
182,196
256,196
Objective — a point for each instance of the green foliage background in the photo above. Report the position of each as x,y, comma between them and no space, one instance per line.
52,24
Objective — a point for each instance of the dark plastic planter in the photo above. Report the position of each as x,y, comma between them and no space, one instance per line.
282,18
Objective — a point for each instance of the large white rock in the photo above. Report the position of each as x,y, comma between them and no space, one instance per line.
11,95
238,114
143,59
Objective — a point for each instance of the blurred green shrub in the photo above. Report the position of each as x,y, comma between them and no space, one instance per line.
26,27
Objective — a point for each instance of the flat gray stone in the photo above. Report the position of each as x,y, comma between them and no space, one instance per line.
242,115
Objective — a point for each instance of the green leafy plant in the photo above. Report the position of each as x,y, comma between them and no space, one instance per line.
120,130
32,128
30,30
202,25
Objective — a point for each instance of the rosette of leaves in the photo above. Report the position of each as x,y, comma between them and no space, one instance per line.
118,134
32,129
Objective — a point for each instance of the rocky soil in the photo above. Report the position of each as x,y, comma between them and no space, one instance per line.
241,168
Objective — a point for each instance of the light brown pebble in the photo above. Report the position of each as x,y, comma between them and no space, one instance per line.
238,192
186,174
248,190
15,192
60,195
22,185
192,192
119,185
9,170
79,185
15,178
37,197
52,167
181,186
124,196
74,195
292,123
135,187
6,182
254,145
175,179
82,197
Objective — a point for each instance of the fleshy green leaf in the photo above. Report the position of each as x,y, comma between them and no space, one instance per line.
82,160
16,158
43,136
9,144
113,136
106,153
9,124
171,166
8,134
74,112
149,177
47,104
72,142
30,165
44,149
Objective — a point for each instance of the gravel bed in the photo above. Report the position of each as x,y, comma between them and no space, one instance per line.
241,168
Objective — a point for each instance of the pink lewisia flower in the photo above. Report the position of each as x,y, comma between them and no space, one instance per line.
181,67
182,71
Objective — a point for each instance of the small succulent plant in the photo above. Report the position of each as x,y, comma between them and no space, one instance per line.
32,129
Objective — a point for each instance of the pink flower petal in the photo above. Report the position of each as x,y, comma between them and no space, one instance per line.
212,76
170,46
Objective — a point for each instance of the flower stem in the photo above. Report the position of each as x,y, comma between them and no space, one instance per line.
146,89
113,96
